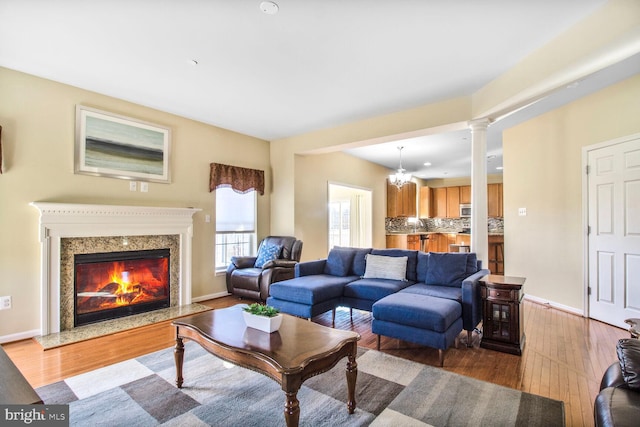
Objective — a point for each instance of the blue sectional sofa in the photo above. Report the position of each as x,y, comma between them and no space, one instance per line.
427,298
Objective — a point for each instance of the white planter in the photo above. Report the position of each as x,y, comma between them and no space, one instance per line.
263,323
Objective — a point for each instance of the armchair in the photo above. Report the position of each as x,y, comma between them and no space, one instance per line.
250,277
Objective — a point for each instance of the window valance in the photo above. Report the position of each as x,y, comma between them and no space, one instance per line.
241,180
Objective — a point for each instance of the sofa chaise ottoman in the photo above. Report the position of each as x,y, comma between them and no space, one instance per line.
421,319
359,278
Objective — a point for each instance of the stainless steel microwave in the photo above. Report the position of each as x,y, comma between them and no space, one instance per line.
465,210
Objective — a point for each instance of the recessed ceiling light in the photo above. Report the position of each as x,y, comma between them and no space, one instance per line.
491,157
269,7
193,62
427,164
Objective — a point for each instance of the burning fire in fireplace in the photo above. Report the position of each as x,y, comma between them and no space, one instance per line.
115,284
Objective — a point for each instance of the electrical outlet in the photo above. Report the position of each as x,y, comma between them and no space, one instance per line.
133,186
144,187
522,211
5,303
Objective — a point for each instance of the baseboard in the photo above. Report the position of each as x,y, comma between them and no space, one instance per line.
36,332
19,336
210,296
555,305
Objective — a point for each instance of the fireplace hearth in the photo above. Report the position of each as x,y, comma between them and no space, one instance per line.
117,284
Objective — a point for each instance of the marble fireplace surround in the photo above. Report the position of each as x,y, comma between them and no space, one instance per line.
64,223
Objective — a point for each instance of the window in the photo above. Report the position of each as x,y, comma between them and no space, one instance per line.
349,216
235,226
339,223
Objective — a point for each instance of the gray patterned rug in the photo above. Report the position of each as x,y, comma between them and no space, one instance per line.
390,392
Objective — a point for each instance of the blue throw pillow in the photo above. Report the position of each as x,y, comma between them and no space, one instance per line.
266,253
446,269
338,262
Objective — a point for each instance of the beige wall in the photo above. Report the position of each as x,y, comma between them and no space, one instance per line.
313,174
544,172
38,121
439,116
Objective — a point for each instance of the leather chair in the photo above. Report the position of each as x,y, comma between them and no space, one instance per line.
247,281
618,403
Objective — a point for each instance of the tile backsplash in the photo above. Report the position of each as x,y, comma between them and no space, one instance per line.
444,225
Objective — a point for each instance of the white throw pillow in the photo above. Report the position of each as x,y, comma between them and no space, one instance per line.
385,267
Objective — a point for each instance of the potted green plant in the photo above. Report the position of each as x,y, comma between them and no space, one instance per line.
262,317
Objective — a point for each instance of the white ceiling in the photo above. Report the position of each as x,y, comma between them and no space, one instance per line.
313,65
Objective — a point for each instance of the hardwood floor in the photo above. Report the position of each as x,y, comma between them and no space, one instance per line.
564,355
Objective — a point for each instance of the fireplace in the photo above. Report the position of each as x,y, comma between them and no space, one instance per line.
67,229
116,284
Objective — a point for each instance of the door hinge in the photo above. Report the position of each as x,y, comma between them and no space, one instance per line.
588,169
588,230
589,290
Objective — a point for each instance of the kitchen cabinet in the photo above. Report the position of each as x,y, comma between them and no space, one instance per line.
463,239
465,194
401,202
444,202
403,241
413,242
439,199
397,241
425,203
439,242
453,202
494,200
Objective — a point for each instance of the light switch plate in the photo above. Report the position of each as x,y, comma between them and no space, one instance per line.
522,211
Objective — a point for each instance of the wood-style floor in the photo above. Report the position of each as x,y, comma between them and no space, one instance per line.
564,356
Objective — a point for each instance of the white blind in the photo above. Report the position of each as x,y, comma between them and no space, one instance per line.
234,211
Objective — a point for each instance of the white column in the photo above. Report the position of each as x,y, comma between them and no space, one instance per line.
479,206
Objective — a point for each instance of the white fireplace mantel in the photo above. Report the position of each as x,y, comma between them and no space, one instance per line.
63,220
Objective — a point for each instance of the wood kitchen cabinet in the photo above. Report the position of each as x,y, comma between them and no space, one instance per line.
397,241
463,239
439,199
494,200
439,242
453,202
413,242
444,202
425,203
401,201
465,194
403,241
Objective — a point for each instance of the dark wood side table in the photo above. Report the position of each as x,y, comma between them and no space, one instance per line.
502,321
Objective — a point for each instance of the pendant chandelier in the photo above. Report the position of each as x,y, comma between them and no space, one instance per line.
400,178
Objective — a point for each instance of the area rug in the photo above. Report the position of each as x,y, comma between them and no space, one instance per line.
390,391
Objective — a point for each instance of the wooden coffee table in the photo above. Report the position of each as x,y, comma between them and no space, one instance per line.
297,351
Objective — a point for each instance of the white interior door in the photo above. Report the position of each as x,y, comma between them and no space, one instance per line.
614,238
